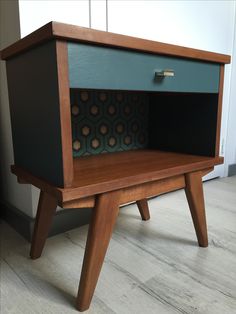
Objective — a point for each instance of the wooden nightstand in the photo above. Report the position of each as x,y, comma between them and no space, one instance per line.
100,119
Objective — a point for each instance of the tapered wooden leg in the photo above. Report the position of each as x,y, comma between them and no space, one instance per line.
143,209
195,197
99,234
46,208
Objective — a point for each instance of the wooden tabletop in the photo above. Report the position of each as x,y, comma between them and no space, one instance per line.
55,30
106,172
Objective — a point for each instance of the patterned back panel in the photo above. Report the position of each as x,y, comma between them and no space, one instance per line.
108,121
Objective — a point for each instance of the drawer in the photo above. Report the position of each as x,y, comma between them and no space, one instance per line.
108,68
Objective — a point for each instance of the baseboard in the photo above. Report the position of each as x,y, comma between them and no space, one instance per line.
63,221
232,170
22,223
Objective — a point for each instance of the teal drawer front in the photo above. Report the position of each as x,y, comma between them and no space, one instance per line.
107,68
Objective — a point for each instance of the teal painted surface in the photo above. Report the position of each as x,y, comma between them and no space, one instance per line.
107,68
35,115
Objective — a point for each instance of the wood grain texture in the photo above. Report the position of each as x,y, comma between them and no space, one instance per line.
65,112
85,202
131,194
99,234
136,192
195,197
46,209
153,267
81,34
143,209
219,111
107,172
206,171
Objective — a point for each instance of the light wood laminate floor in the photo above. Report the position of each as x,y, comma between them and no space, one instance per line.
151,267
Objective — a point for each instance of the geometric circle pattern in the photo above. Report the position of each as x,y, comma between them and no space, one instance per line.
108,121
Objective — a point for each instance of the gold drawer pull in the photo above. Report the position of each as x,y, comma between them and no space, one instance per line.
164,73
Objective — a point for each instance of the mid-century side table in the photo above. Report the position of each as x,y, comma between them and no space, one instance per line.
100,119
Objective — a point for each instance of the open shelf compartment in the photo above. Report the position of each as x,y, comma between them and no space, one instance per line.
123,138
104,172
107,121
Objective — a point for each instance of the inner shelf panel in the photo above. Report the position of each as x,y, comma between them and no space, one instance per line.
108,121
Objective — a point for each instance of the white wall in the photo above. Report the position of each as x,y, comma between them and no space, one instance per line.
231,127
17,195
18,19
34,14
98,14
197,24
205,25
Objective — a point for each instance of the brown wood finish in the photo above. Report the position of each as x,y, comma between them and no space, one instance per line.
46,209
131,194
143,209
99,234
219,111
150,189
135,192
26,177
195,197
105,172
128,195
104,217
85,202
55,30
106,181
41,35
65,114
102,173
206,171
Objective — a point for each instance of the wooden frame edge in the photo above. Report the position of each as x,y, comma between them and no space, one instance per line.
159,186
40,35
65,114
206,171
24,177
68,32
219,110
134,193
153,189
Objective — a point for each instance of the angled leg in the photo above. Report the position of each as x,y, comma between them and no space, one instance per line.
99,234
195,197
46,208
143,209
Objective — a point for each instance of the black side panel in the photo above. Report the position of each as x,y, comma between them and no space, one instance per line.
184,123
35,116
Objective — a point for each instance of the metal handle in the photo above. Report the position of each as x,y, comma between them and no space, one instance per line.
164,73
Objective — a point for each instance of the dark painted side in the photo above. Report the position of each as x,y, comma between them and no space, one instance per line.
35,116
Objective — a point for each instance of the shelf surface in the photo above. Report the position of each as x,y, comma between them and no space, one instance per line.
106,172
